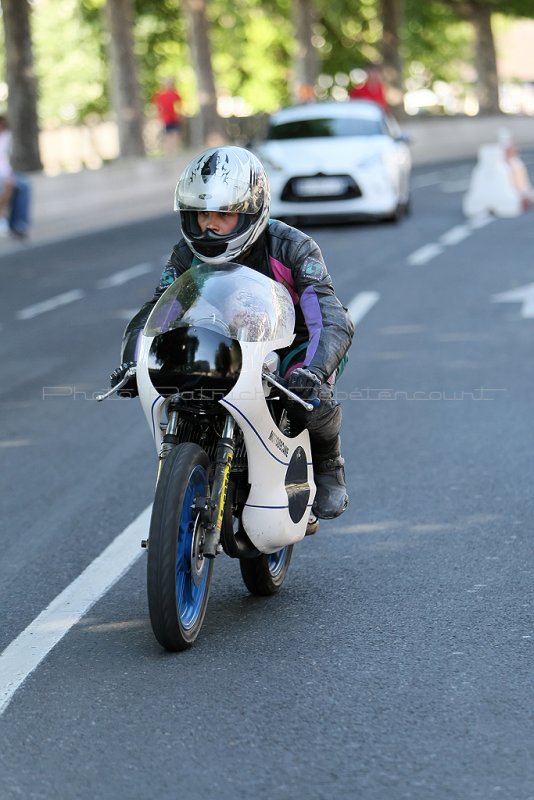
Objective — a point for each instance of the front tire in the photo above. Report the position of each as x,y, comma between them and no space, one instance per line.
178,576
265,574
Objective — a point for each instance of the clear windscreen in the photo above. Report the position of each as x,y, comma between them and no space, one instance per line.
228,298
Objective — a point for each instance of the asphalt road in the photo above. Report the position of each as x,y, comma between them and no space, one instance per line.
396,662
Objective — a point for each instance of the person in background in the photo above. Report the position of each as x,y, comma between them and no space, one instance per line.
499,183
372,88
223,199
518,171
168,103
14,191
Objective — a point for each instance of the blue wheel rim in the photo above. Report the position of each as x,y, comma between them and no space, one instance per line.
277,561
189,595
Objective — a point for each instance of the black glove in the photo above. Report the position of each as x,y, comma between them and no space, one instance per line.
306,383
130,387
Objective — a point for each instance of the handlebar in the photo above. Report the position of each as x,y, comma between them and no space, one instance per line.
308,406
127,375
265,375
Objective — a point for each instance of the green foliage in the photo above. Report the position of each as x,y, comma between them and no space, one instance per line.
253,46
69,62
348,34
435,38
513,8
161,48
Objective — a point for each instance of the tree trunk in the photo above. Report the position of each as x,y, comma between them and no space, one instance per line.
306,63
124,83
209,130
391,14
485,60
22,86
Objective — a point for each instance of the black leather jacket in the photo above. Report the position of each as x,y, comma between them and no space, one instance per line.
291,257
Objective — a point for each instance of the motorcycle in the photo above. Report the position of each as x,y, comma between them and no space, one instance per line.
234,475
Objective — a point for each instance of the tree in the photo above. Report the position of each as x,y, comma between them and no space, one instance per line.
199,41
485,60
306,62
124,82
391,14
435,40
478,13
22,85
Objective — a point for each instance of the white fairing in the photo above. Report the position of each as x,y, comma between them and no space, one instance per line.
267,516
153,404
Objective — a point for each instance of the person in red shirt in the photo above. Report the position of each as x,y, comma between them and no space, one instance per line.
168,103
371,89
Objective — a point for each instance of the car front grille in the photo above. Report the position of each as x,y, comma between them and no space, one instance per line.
292,194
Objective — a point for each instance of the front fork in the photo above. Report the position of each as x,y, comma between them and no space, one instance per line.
210,508
169,440
214,508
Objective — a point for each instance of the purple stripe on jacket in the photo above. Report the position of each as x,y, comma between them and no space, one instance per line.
309,303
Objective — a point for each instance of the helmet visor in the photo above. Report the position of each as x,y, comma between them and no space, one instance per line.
212,194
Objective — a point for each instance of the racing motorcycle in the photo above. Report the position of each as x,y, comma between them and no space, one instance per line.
234,474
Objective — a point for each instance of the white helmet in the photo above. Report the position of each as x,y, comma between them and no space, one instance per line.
225,179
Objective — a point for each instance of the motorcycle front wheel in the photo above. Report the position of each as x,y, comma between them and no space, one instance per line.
265,574
178,575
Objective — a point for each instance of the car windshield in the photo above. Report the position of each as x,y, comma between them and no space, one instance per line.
228,298
325,126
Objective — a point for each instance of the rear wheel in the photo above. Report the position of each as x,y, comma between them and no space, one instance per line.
178,575
265,574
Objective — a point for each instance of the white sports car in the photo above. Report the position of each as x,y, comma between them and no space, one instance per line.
336,160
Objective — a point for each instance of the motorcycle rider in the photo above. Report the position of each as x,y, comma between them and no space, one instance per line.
223,199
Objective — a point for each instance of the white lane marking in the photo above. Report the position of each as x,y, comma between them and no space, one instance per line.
118,278
424,254
422,181
481,220
451,237
361,304
523,294
26,652
49,305
455,187
455,235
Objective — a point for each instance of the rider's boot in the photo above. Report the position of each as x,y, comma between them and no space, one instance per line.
331,498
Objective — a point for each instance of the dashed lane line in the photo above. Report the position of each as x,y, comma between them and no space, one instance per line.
25,653
116,279
362,304
453,236
125,275
425,254
480,221
425,180
49,305
455,187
